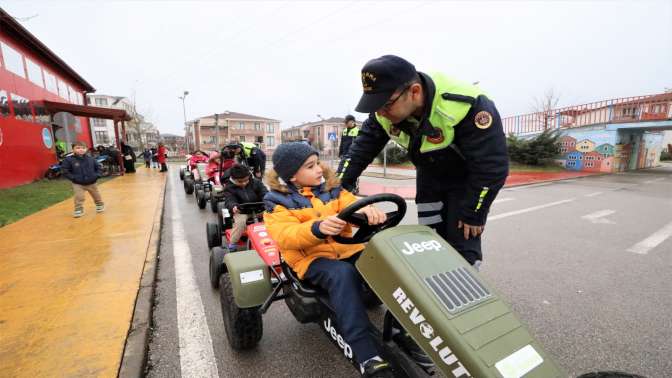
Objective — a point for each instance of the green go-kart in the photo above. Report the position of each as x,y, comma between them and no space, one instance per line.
440,300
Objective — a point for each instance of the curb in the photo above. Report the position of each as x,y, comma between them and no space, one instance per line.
134,358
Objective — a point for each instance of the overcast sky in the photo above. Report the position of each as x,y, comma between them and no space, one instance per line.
293,60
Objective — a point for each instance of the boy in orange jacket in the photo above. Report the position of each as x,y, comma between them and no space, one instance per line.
302,209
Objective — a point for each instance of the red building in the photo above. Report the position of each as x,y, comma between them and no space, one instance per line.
30,74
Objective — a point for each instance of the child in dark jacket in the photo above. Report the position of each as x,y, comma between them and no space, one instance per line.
241,188
302,209
83,171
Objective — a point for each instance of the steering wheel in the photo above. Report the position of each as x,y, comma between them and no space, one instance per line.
366,231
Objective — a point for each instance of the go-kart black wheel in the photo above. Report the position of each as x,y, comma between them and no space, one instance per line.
609,374
213,235
200,199
243,326
220,216
216,265
366,232
213,204
182,174
188,186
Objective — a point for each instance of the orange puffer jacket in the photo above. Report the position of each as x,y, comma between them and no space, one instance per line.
293,216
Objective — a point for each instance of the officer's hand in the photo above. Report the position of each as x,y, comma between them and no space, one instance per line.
469,230
257,174
373,215
332,225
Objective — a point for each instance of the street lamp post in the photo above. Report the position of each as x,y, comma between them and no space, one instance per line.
216,132
184,113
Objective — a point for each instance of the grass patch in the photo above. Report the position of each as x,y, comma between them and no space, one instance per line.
21,201
517,167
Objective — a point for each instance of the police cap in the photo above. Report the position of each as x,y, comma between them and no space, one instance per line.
380,78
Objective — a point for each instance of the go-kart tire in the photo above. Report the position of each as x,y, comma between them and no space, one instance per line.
220,217
216,265
213,235
182,174
188,186
609,374
200,199
243,326
213,204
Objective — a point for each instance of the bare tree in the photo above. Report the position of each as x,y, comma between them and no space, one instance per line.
543,107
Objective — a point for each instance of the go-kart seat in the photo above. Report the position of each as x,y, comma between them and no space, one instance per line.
304,287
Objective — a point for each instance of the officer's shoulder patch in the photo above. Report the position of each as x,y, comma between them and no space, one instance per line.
483,119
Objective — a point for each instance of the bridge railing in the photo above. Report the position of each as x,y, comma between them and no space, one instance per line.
620,110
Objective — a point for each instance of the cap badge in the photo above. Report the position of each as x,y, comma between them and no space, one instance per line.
395,131
483,119
368,79
437,136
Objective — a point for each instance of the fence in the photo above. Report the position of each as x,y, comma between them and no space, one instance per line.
620,110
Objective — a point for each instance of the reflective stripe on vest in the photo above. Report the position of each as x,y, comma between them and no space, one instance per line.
445,114
352,132
247,148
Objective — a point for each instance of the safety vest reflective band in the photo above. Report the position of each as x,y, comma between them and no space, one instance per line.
352,132
445,113
247,148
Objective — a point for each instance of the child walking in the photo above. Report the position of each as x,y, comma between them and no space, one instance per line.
83,171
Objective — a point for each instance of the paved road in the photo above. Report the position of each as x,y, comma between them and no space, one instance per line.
586,263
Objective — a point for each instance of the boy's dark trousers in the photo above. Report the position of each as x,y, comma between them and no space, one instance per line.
342,281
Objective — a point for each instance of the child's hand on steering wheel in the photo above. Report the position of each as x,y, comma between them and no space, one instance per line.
373,215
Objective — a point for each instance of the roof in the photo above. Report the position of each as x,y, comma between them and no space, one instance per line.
316,123
242,116
12,27
86,111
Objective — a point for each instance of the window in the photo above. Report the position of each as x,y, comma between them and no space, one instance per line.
13,60
101,137
79,98
101,101
99,122
50,81
257,126
270,140
41,114
269,128
241,125
62,90
34,73
4,104
241,138
259,139
21,108
71,95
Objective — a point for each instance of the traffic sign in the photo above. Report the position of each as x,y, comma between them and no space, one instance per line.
332,136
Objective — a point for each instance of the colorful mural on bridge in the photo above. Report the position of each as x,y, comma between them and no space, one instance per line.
609,151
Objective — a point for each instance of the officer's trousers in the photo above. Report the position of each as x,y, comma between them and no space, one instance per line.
439,199
344,285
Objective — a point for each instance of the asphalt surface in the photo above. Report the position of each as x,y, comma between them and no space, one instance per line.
561,254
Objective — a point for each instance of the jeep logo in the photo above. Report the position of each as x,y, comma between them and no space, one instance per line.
429,245
347,350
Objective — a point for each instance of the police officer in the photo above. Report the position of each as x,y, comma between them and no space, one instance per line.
349,134
250,155
454,137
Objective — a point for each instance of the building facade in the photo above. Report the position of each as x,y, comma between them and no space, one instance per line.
324,135
31,73
174,144
139,133
212,132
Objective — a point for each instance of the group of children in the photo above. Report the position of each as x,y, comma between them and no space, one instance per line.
301,216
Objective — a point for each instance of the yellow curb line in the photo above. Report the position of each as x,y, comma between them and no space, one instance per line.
134,359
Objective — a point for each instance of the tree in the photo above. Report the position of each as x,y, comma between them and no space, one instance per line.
544,107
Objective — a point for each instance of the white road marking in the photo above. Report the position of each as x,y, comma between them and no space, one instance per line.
197,357
593,194
598,217
498,200
529,209
654,180
529,186
644,246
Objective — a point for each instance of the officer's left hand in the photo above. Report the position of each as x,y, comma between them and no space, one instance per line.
469,230
373,215
257,174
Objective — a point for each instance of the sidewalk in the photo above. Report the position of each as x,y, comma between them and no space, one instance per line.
68,286
406,188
